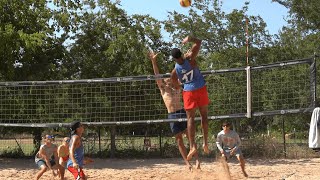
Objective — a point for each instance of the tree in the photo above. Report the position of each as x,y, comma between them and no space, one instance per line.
304,14
111,43
31,49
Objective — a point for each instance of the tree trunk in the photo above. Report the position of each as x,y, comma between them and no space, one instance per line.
36,140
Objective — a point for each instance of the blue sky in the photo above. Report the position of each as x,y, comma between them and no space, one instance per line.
272,13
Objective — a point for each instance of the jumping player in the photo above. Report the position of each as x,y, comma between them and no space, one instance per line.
172,100
195,95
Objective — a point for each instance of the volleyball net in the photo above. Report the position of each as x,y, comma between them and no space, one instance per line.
272,89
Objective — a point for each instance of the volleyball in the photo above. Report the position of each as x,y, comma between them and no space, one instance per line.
185,3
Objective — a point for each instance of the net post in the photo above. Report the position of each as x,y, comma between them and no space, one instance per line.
160,143
313,82
249,113
284,138
113,142
248,72
99,138
247,41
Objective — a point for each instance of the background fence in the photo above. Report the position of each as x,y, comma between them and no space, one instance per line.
266,144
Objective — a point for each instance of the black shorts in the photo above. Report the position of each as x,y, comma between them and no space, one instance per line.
177,127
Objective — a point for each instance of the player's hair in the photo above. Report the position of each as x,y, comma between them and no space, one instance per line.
74,126
176,53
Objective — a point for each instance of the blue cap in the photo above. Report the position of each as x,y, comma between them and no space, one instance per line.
50,137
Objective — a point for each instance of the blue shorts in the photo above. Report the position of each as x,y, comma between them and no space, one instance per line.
43,162
177,127
228,150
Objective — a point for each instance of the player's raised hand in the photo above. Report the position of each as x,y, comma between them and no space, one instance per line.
186,40
188,54
153,56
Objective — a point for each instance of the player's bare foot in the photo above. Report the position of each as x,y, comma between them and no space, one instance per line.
191,153
245,174
59,174
54,173
189,166
198,164
206,149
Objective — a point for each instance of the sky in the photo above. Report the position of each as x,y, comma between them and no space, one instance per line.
272,13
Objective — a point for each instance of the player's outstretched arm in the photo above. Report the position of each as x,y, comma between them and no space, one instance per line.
219,144
55,155
174,79
195,47
153,58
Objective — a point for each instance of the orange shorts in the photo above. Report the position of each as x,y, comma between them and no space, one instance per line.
196,98
77,173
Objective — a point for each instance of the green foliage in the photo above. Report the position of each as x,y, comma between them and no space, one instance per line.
170,150
298,151
262,146
12,152
301,37
305,14
113,43
219,31
28,47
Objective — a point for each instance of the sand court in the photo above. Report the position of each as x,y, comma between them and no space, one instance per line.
173,168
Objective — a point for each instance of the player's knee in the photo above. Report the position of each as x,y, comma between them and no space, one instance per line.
240,158
44,168
178,136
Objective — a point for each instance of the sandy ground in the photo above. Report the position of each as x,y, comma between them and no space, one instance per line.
143,169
